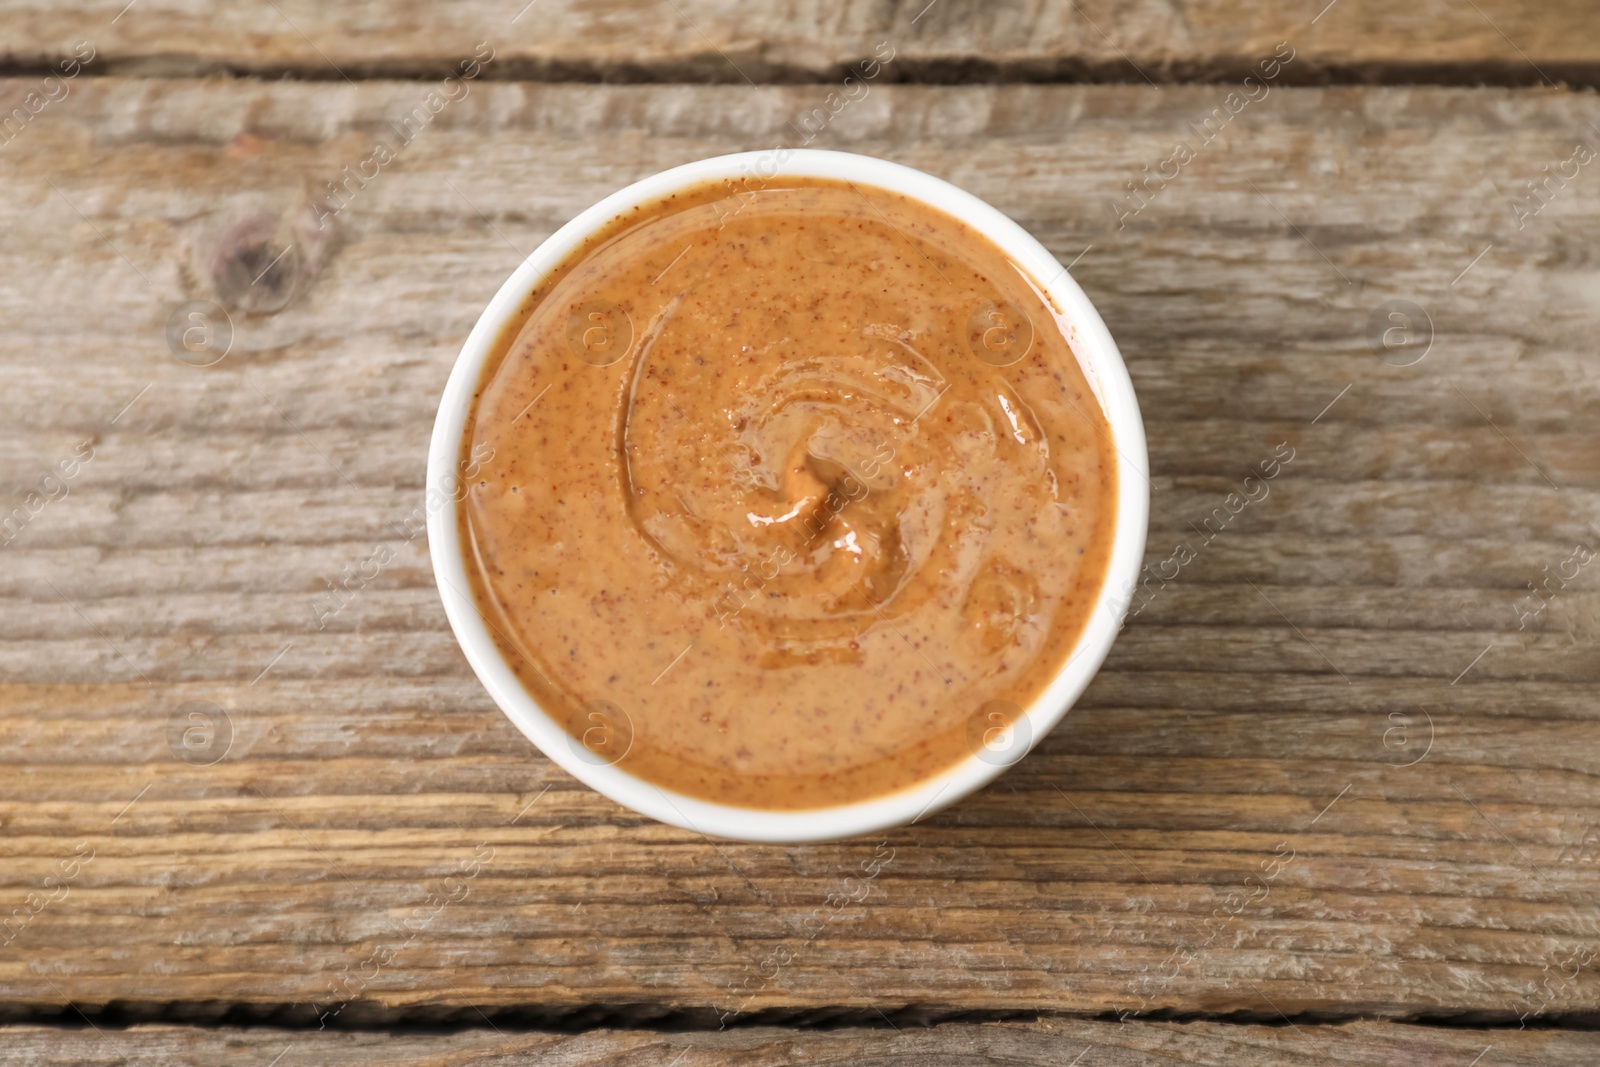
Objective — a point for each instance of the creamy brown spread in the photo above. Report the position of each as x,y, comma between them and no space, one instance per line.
786,493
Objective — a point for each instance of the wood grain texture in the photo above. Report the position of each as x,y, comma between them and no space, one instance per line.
1046,1043
1340,675
1521,42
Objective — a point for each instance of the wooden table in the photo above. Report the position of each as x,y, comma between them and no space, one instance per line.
1333,799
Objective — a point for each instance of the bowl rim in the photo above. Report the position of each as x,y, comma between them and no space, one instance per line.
1097,354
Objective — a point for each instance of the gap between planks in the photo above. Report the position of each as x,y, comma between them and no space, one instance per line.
1512,73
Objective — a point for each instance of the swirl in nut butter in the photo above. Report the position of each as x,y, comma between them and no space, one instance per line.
789,489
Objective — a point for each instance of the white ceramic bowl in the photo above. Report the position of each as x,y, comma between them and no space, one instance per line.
1107,376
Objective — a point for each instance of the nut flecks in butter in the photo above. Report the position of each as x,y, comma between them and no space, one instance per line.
801,493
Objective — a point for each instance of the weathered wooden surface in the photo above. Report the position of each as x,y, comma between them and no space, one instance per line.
1047,1043
1502,41
1340,673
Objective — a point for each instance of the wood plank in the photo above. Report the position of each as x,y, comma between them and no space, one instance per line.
1341,672
1046,1041
1519,42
